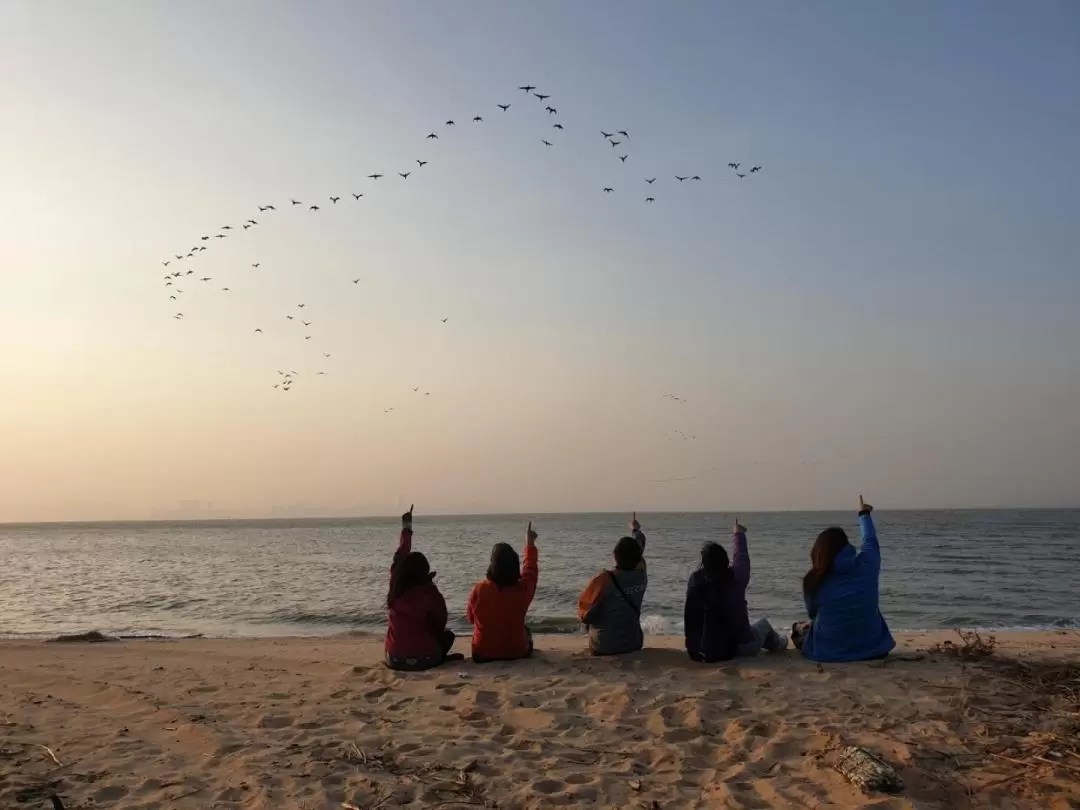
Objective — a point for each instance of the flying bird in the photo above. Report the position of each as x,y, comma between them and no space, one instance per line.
307,337
545,143
503,107
262,208
444,320
357,196
477,119
608,189
734,166
432,136
179,257
624,133
255,265
301,306
319,373
326,354
204,238
178,315
172,297
334,200
224,289
166,264
449,123
206,278
551,111
541,96
295,202
607,134
680,179
416,389
258,331
270,208
374,176
225,228
740,176
404,175
528,88
306,323
356,281
288,317
623,158
189,273
252,222
650,199
615,143
696,177
245,226
313,208
650,181
421,163
754,169
556,126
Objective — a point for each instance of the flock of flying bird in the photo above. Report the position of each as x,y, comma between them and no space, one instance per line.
286,379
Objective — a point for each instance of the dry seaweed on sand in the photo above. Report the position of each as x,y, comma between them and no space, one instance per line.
867,771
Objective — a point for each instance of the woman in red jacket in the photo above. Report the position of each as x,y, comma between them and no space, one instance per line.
497,606
416,634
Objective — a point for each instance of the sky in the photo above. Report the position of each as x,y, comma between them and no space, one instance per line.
888,307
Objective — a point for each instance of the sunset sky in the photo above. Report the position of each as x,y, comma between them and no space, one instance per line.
888,307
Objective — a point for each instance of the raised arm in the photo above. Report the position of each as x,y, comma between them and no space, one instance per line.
870,551
637,533
404,542
740,559
530,568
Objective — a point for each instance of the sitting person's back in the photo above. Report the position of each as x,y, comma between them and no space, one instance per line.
610,605
841,591
498,604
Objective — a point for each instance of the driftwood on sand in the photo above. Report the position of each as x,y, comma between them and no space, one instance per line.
867,771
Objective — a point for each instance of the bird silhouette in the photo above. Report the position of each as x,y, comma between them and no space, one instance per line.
288,317
416,389
755,169
608,189
225,228
206,278
189,273
178,315
270,208
615,143
252,222
541,96
374,176
607,134
421,163
319,373
262,208
551,111
503,107
334,200
680,179
356,281
245,226
301,306
313,208
432,136
740,176
172,297
650,199
258,331
224,289
306,323
220,236
178,257
444,320
295,202
307,337
255,265
545,143
166,264
696,177
734,166
624,133
449,123
528,88
404,175
623,158
477,119
326,354
650,181
357,196
201,249
556,126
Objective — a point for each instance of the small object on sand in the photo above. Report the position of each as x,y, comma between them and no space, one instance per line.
635,785
867,771
93,636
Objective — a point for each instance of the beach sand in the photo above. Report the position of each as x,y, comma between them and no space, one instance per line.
313,723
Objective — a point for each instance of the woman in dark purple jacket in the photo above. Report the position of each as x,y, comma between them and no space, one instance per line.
416,633
715,616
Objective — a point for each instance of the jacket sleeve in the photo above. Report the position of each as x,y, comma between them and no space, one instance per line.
403,549
811,606
740,562
530,574
639,535
438,615
870,552
590,601
470,605
693,614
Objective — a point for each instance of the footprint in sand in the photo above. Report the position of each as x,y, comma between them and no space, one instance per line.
276,721
375,694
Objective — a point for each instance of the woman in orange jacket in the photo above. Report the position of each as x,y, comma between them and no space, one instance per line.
497,606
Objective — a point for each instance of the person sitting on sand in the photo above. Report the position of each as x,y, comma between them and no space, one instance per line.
610,605
715,616
416,633
841,590
497,606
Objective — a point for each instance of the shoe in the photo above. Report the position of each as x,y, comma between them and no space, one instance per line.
455,657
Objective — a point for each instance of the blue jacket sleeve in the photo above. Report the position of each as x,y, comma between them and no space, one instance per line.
740,562
870,552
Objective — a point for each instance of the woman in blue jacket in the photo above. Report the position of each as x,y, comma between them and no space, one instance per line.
841,591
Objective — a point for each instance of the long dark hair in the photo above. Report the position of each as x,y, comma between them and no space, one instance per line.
410,572
505,567
715,564
828,544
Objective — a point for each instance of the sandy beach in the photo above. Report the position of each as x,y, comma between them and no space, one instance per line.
315,723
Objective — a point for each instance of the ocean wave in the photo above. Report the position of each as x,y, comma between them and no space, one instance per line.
351,618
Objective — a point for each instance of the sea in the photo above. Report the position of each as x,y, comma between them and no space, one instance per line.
995,569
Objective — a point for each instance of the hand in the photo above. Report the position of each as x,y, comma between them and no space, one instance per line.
406,519
738,528
634,525
530,536
864,507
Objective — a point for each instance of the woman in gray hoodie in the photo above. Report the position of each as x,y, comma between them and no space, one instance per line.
610,605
